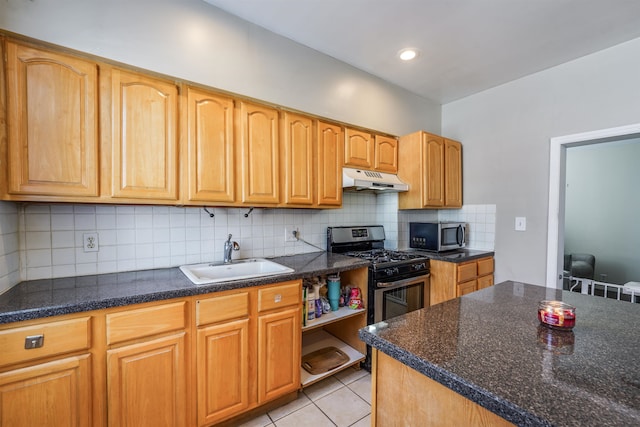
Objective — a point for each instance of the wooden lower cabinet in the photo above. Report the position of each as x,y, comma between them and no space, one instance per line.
279,346
404,397
138,365
450,280
223,371
466,287
47,373
56,393
146,383
247,349
224,356
146,365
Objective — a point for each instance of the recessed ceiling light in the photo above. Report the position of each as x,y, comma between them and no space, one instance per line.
409,53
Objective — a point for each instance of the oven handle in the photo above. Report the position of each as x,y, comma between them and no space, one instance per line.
401,282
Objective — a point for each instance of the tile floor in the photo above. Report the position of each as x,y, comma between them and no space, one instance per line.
343,400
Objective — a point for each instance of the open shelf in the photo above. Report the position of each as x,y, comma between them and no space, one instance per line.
332,316
315,340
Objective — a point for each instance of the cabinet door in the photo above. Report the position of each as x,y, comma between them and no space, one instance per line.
443,281
258,157
330,160
49,394
143,137
146,383
52,123
433,161
467,287
210,168
412,171
453,174
279,347
485,266
466,271
386,154
485,281
298,151
223,363
358,149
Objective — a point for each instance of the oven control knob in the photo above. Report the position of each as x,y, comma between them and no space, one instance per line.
391,271
420,266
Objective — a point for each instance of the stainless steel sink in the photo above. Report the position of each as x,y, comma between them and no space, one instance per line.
201,274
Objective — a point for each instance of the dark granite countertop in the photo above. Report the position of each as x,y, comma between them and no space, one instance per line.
489,347
456,256
51,297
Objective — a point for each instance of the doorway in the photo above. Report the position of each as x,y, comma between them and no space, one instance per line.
557,186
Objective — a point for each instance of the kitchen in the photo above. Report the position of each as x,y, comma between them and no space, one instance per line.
487,124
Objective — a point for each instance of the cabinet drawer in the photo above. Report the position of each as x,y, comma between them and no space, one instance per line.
485,281
485,266
60,337
467,271
282,295
144,322
225,307
467,287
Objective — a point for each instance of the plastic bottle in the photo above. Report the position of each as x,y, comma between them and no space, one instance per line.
311,305
318,302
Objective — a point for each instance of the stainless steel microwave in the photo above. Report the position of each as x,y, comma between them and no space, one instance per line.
437,236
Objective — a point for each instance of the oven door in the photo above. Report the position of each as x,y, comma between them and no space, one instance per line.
400,297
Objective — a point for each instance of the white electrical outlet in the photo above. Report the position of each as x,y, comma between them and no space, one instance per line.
90,242
521,223
289,235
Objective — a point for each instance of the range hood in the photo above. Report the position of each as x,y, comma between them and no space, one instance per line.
373,181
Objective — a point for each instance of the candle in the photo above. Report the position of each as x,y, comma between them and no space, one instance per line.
557,314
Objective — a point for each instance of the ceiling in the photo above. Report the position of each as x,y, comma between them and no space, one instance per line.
466,46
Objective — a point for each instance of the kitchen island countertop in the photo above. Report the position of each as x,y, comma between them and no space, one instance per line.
489,347
51,297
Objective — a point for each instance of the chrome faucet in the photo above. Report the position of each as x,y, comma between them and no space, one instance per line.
228,247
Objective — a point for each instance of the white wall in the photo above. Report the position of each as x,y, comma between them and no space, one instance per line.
506,132
193,40
602,206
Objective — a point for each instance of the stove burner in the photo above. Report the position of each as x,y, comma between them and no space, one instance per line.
378,256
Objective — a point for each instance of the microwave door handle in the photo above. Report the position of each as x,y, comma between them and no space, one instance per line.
460,235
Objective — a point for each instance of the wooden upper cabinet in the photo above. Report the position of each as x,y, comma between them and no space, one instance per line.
358,149
52,123
210,169
329,166
297,159
453,173
386,154
144,139
436,180
433,162
259,154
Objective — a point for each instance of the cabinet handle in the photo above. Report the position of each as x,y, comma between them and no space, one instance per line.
33,341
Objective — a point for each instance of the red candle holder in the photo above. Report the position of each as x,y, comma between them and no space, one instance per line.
557,315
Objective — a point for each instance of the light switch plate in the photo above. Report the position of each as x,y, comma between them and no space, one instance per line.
521,223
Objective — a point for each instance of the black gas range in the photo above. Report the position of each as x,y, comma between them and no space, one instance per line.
398,281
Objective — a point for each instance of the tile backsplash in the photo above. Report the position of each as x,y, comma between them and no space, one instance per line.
46,240
9,246
481,220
